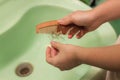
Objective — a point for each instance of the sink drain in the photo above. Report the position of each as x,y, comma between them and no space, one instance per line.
24,69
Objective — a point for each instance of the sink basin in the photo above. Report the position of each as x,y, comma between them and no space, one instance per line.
19,43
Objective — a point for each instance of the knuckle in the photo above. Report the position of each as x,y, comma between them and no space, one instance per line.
77,11
73,16
48,61
62,69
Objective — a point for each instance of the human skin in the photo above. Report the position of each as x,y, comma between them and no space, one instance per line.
66,56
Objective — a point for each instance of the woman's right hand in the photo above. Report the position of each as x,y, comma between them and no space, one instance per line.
79,23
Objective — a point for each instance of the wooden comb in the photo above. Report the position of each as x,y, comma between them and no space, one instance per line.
49,24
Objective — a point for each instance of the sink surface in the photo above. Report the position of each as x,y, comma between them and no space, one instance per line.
19,42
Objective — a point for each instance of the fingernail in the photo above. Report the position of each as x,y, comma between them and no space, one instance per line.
69,36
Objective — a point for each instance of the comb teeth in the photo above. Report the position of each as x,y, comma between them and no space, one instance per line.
46,24
48,30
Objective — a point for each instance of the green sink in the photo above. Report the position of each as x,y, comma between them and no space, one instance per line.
20,45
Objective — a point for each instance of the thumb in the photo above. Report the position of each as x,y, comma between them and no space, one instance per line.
65,21
56,45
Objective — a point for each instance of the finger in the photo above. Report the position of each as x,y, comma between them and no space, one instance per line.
61,69
56,45
48,51
81,33
48,54
65,21
63,28
53,52
73,32
66,29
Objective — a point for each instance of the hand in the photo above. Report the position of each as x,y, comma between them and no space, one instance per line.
62,56
79,23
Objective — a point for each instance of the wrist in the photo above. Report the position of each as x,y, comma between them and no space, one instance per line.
82,54
95,20
99,17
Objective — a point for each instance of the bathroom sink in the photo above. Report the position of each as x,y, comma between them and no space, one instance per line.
22,51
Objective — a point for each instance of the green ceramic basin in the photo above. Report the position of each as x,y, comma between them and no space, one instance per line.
20,44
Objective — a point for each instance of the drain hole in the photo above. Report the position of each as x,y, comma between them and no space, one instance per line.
24,69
